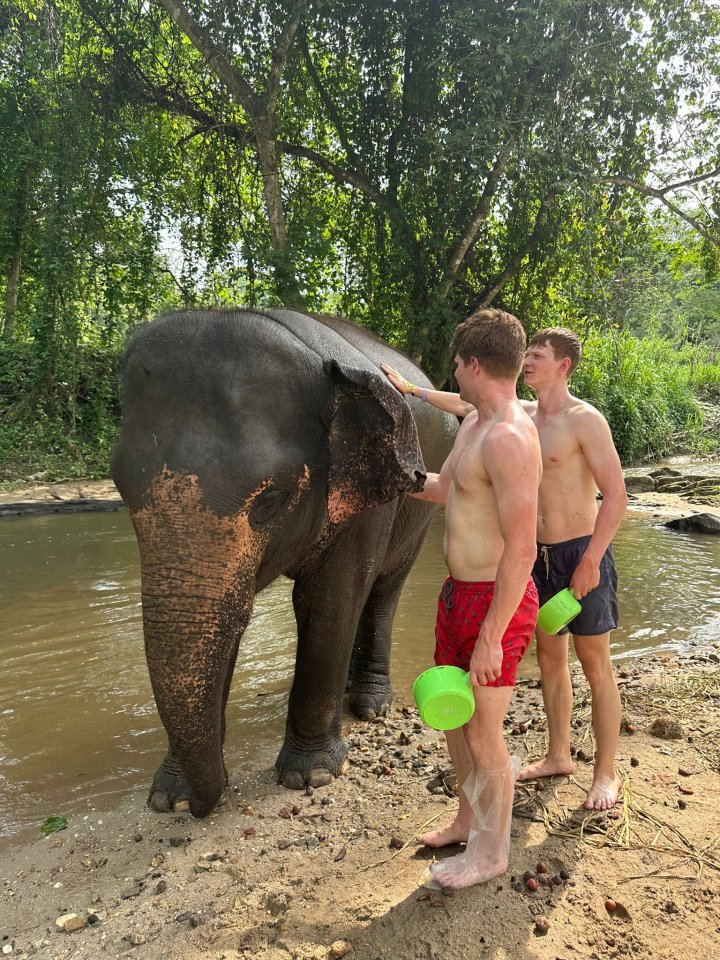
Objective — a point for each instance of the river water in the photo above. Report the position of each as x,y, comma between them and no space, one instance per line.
78,725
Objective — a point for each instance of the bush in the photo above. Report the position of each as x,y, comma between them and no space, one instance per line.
643,387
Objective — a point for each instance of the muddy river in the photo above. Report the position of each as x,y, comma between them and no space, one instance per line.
78,726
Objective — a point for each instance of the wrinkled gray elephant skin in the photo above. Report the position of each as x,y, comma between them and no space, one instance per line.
255,444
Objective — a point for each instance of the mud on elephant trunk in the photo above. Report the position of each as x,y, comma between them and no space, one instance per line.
197,597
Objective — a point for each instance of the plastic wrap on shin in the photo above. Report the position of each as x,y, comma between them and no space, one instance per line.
486,855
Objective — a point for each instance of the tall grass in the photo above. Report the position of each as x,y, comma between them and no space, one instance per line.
646,389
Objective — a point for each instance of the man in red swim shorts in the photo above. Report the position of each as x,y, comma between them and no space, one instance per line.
462,607
488,604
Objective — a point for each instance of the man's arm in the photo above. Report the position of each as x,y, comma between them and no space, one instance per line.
512,460
443,400
593,435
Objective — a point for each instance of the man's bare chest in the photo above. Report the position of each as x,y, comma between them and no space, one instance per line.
558,446
467,468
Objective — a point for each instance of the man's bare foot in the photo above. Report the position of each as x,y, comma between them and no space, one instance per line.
462,871
455,833
603,793
546,768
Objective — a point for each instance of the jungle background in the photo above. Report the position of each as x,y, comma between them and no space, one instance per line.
401,163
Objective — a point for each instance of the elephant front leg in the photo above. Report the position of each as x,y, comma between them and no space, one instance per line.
170,791
328,601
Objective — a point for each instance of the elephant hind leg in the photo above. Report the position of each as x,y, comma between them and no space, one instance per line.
299,769
369,678
370,692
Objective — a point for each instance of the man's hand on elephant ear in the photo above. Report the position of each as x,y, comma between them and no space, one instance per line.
396,378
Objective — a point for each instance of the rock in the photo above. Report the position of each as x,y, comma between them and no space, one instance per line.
69,922
131,892
634,762
542,925
639,484
339,949
277,903
697,523
664,472
666,728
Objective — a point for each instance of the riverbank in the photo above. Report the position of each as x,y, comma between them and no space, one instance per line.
77,496
275,874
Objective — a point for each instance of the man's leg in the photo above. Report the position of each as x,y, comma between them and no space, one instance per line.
552,655
459,829
594,656
489,791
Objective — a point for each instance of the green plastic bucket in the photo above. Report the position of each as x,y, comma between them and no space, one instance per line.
558,611
444,697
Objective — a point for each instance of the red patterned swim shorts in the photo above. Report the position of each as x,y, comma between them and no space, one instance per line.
462,608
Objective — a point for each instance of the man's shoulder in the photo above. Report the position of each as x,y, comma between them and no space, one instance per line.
518,433
584,412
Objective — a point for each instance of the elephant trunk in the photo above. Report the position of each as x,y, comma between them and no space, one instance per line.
192,630
198,581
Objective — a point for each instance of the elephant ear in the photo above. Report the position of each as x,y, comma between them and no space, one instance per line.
374,448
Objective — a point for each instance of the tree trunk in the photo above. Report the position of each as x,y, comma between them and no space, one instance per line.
11,294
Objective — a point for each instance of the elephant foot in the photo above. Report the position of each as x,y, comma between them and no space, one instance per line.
298,768
370,696
170,792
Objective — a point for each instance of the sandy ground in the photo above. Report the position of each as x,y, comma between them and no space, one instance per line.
277,874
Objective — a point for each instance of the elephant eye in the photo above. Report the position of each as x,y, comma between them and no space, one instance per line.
266,506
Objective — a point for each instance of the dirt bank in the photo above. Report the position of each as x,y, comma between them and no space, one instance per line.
276,874
82,495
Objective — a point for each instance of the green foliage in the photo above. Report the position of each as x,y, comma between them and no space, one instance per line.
53,825
428,158
643,387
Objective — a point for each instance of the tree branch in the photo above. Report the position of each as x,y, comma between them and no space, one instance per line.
281,54
328,104
343,175
480,213
214,56
517,258
660,194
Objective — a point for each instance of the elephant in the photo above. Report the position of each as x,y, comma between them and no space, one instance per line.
256,443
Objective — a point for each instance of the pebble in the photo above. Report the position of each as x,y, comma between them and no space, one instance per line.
634,762
542,925
339,949
7,948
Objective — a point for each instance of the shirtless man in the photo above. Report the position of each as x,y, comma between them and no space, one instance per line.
488,605
574,550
